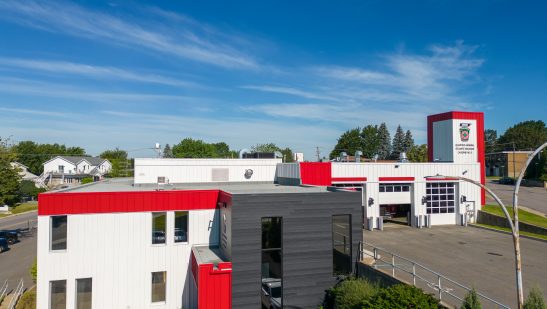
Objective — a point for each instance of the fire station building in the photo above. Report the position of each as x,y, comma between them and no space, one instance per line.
244,233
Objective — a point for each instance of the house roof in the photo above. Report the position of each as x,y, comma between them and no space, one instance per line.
95,161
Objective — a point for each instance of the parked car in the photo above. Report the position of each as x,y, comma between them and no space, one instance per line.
3,245
271,293
180,235
158,237
11,236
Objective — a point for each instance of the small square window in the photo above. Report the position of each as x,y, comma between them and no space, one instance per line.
159,281
58,232
158,227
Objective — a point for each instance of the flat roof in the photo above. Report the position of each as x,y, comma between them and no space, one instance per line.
206,254
126,184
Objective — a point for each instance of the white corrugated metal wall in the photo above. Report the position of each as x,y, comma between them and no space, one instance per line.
200,170
117,252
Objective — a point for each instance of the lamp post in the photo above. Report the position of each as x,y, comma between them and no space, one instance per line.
513,224
514,229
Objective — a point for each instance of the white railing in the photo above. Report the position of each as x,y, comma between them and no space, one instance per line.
442,285
16,295
3,290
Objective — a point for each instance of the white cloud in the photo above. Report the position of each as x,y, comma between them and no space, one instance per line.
291,91
35,112
99,72
74,20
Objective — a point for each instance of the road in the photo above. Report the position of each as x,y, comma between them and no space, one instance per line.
531,197
15,263
470,256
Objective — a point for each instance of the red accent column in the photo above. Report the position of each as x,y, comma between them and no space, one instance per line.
214,285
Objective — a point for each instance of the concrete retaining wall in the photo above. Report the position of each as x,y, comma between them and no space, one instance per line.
490,219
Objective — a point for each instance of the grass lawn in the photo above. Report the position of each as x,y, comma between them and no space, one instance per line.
24,207
493,177
524,216
506,229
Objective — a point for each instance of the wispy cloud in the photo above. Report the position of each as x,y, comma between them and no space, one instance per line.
93,71
77,21
34,112
405,88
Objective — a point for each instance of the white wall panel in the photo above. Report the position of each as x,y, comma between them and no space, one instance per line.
116,251
200,170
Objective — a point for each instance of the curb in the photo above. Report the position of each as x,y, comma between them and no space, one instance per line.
505,232
21,213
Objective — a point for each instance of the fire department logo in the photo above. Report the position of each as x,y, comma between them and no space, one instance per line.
464,131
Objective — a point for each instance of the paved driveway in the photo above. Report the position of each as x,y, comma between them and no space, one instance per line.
15,263
468,255
531,197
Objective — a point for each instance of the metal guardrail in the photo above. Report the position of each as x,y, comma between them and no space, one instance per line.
17,294
3,290
443,285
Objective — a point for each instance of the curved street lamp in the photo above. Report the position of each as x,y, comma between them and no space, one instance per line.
513,225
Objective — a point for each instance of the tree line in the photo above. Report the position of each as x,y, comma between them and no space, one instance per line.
375,141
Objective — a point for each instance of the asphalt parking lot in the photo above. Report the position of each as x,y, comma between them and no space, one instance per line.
15,263
471,256
530,197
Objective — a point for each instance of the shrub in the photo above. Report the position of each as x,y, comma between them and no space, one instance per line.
401,296
471,300
87,180
350,293
33,271
534,300
28,300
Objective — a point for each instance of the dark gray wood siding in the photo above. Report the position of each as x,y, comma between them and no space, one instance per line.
307,244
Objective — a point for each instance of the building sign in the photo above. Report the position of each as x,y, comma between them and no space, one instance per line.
464,131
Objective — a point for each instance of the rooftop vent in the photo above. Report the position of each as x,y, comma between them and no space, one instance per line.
358,155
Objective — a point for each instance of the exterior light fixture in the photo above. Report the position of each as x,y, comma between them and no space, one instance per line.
370,201
424,200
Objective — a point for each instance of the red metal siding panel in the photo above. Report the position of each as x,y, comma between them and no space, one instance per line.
214,286
111,202
316,173
396,178
349,179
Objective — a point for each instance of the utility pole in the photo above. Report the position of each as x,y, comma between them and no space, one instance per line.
318,154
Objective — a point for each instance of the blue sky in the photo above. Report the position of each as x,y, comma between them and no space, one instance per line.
297,73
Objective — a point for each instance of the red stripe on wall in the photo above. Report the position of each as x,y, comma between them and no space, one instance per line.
441,179
316,173
479,117
138,201
348,179
396,178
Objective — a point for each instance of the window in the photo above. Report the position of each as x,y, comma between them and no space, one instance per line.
57,294
61,169
440,197
58,232
83,293
159,279
341,244
181,226
272,259
394,187
158,227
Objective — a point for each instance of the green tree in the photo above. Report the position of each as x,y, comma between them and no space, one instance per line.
384,146
223,150
119,161
490,140
350,141
534,300
471,300
370,141
526,135
398,144
287,155
167,152
9,181
33,155
28,188
401,296
409,141
269,147
418,153
194,148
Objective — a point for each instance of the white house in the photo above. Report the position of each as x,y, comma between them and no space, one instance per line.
72,169
23,171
